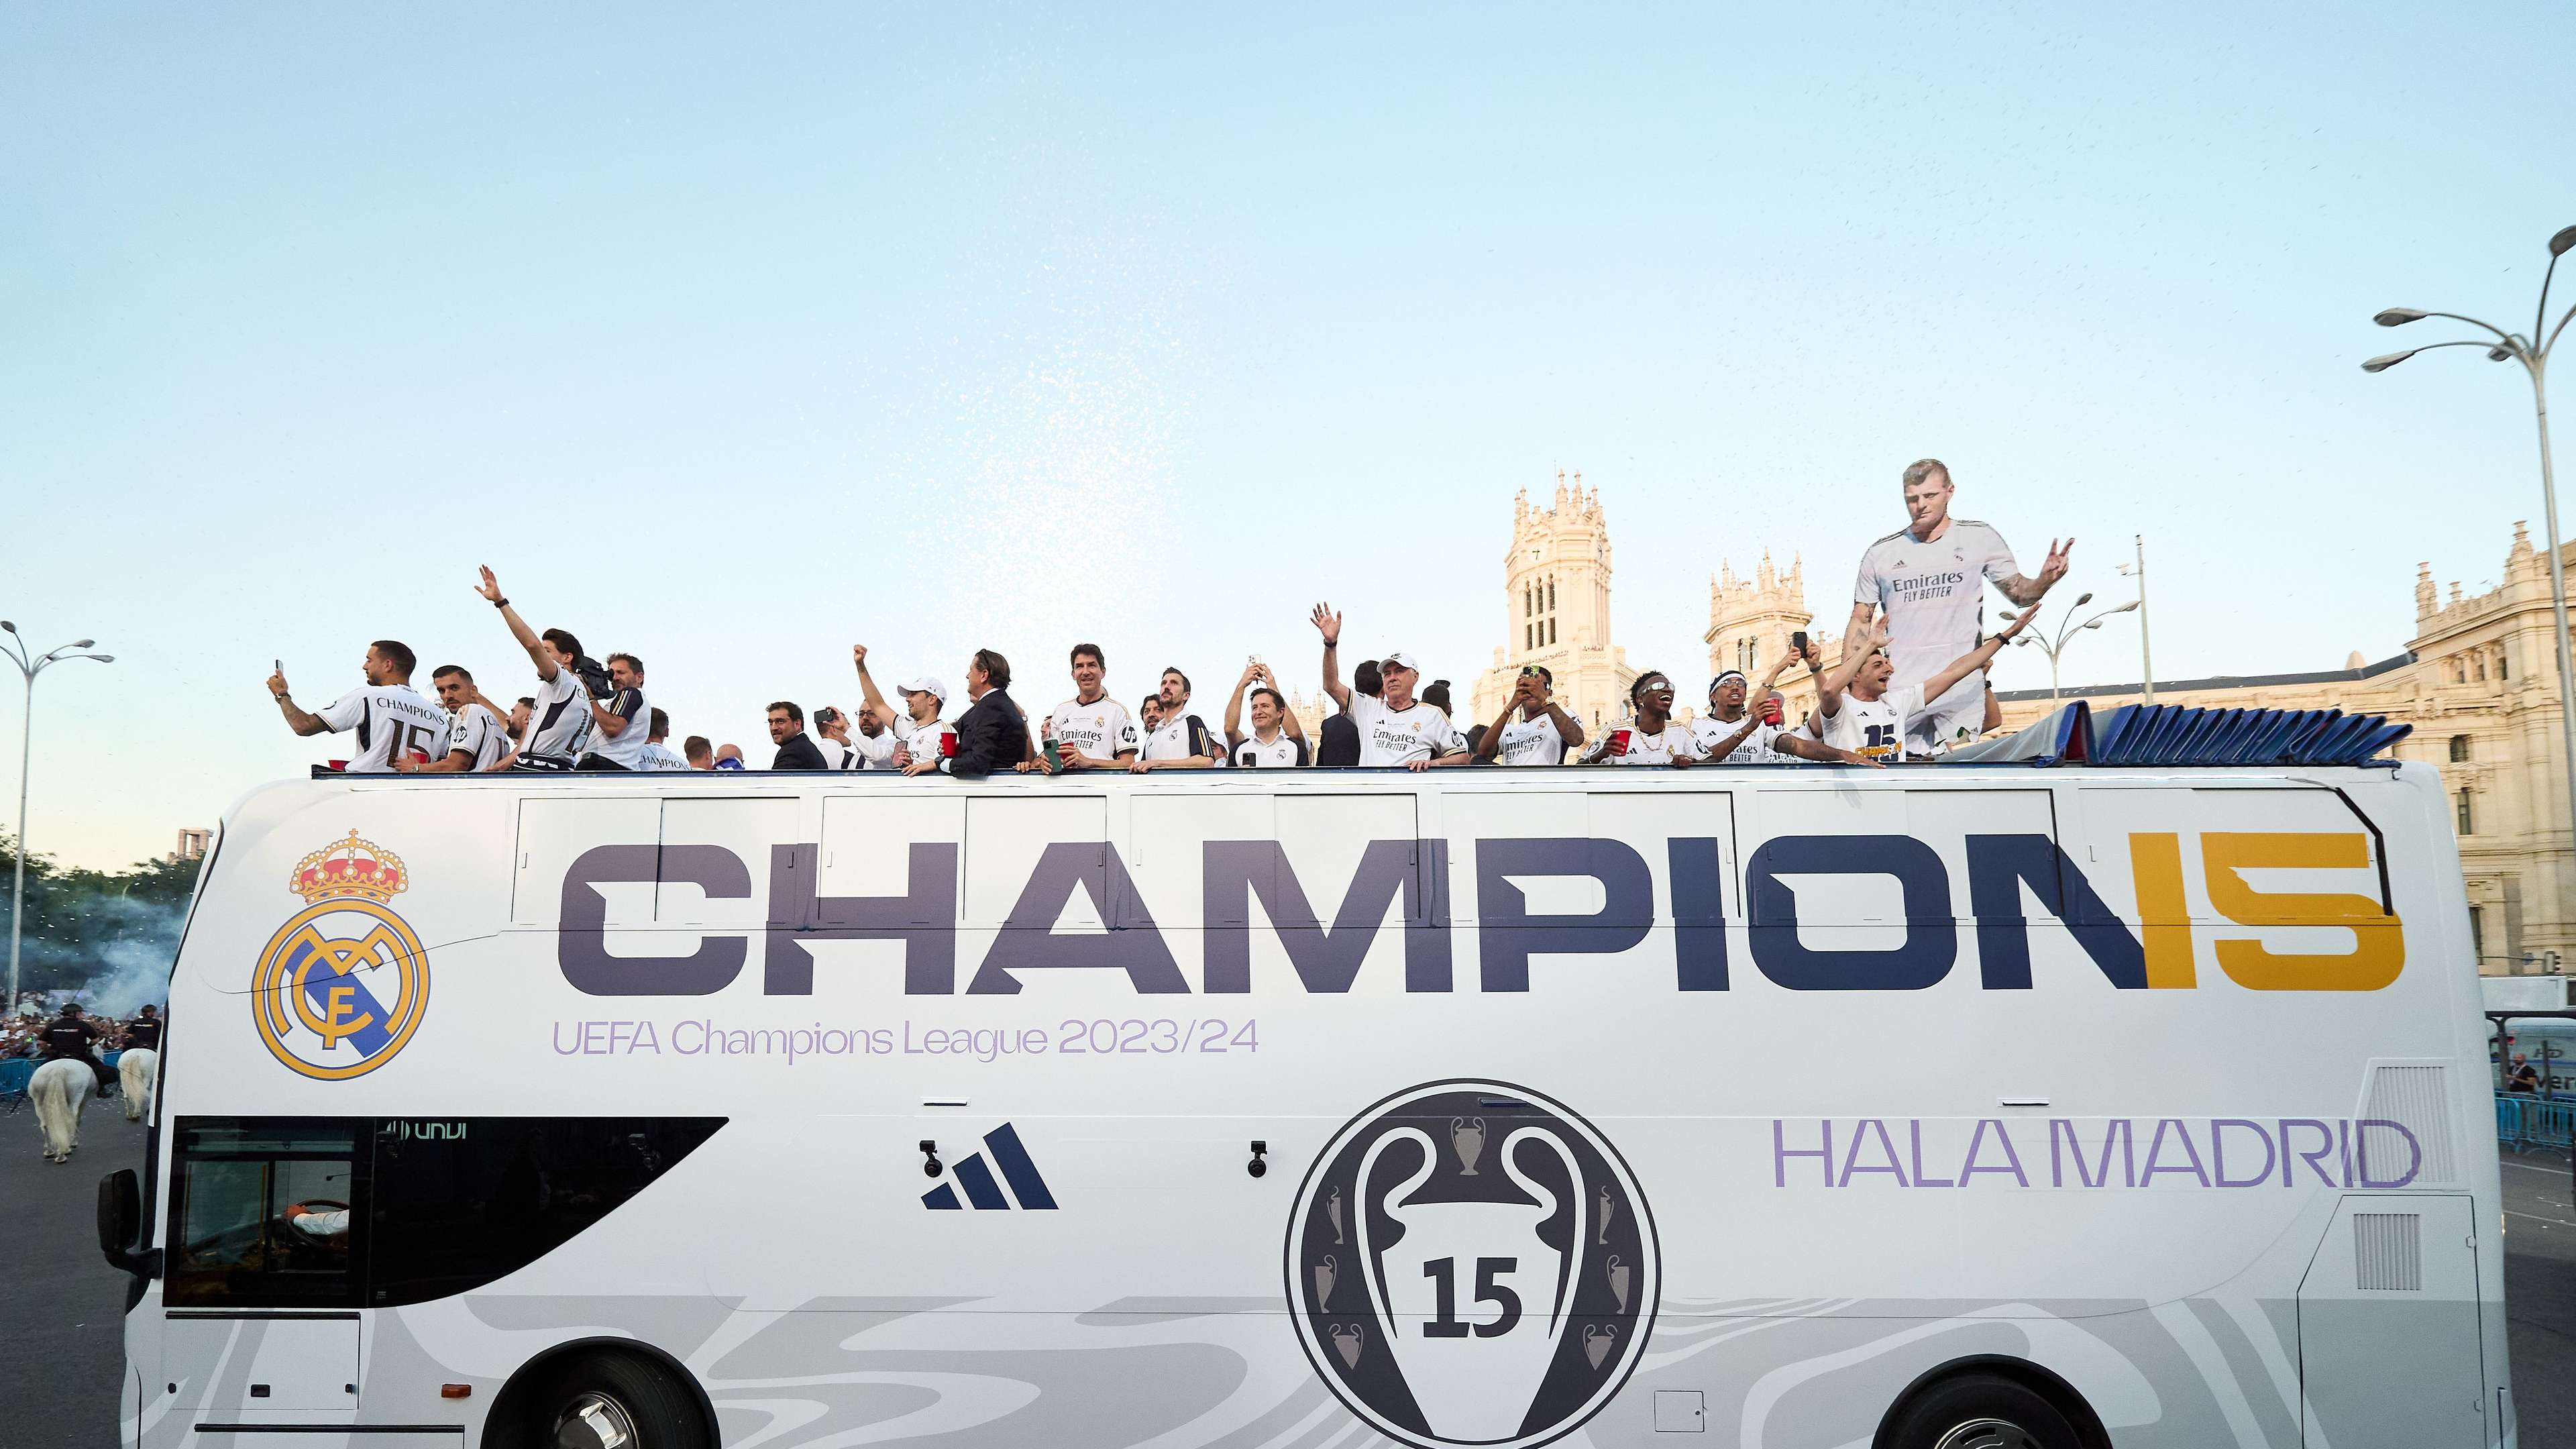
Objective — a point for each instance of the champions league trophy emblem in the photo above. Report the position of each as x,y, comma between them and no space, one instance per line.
1471,1263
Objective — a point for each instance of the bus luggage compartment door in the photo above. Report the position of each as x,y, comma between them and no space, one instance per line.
2388,1325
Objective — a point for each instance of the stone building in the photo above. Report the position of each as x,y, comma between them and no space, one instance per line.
1556,604
2477,681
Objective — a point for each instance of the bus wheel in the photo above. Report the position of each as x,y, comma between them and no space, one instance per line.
1980,1411
615,1401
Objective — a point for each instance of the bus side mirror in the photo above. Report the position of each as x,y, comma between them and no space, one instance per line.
120,1222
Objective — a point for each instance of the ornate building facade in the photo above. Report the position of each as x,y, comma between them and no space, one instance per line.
1556,604
2478,681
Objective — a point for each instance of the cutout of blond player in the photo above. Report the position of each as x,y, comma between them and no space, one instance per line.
1857,710
1928,580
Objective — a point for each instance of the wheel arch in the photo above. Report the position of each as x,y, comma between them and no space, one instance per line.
510,1401
2040,1380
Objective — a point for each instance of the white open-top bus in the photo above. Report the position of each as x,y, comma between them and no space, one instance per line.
2034,1101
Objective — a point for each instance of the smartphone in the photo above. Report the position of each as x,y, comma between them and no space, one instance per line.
1798,643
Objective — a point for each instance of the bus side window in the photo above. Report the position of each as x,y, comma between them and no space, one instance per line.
266,1214
462,1202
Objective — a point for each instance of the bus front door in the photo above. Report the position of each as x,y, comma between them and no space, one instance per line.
260,1302
2388,1325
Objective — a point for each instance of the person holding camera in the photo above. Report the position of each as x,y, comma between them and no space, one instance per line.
1533,728
1276,741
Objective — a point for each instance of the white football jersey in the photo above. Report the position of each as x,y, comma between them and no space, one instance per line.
1175,740
1708,732
392,721
661,757
1626,744
1102,729
559,725
1934,596
1874,728
1400,736
1531,742
626,748
1281,751
921,741
480,733
872,752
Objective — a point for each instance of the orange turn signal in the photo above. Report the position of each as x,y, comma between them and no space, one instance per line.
455,1391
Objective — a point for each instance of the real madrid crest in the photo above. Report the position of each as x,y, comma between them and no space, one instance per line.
342,984
1470,1263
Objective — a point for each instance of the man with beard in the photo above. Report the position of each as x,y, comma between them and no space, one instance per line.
1182,741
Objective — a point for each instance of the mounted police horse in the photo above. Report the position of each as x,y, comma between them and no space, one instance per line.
61,1090
136,1068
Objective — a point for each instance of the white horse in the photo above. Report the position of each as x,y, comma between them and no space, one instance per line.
134,1074
61,1089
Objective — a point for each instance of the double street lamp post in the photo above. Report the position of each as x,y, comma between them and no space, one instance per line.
2055,645
2533,353
16,648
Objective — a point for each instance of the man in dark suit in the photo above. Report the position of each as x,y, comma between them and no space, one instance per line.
992,735
796,749
1341,742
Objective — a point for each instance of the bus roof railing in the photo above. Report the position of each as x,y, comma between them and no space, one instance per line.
2174,734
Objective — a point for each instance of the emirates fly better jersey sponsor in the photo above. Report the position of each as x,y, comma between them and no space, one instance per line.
391,721
1400,736
1532,742
1102,729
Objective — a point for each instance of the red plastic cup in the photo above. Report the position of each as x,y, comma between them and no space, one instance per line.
1619,741
948,744
1771,710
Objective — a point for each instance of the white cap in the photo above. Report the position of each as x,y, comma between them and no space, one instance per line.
1402,660
926,685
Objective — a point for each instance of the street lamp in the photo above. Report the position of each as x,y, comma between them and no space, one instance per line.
2146,655
2533,353
2066,632
16,648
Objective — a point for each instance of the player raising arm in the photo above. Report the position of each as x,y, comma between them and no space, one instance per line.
1395,728
559,724
1857,711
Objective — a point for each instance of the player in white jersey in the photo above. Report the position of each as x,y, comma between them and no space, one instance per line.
1182,741
559,721
658,754
1277,740
476,738
1929,580
392,721
919,733
1394,727
1533,728
1859,709
1091,730
623,722
1649,735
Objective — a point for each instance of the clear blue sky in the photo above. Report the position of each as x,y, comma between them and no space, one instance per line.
733,337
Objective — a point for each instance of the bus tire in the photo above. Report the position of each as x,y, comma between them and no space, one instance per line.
1979,1411
604,1399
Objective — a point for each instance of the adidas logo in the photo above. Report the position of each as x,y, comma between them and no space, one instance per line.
982,1192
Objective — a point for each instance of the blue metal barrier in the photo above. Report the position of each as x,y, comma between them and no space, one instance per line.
13,1080
2524,1123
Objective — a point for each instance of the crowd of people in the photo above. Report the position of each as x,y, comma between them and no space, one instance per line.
1910,683
71,1031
